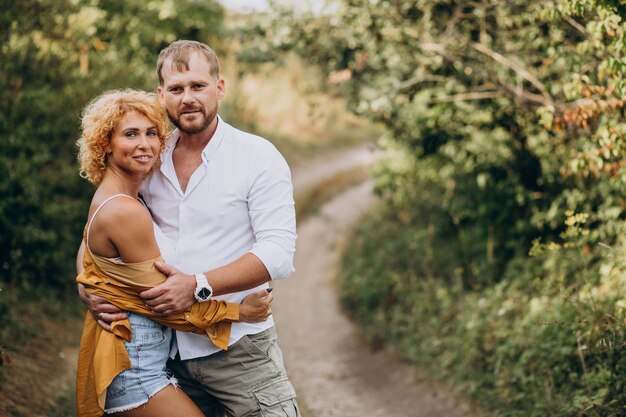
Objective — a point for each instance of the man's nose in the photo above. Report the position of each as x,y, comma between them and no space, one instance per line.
187,96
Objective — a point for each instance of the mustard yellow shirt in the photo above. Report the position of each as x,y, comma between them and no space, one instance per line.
102,354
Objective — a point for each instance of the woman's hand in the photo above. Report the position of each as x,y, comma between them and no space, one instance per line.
256,307
102,311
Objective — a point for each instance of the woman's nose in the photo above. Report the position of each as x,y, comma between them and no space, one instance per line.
143,141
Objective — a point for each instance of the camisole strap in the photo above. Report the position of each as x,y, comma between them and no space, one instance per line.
143,203
96,212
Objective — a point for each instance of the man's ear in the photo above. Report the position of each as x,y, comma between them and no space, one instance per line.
160,94
221,88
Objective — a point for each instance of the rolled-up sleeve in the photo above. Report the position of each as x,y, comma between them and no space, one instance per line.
272,214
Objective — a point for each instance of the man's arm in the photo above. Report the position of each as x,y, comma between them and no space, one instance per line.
175,295
272,216
102,311
105,313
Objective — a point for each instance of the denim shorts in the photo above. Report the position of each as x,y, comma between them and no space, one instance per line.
148,352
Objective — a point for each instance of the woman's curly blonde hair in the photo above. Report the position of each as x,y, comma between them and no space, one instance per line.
99,119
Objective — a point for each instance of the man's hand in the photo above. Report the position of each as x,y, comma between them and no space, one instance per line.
256,307
102,311
174,296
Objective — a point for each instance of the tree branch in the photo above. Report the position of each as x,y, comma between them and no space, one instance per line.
413,81
519,70
478,95
575,24
456,16
438,49
543,99
540,99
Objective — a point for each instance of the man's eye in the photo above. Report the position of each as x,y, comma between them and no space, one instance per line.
198,86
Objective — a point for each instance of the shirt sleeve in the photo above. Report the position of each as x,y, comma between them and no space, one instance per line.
272,214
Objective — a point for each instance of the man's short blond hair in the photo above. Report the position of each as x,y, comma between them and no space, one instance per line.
101,116
179,53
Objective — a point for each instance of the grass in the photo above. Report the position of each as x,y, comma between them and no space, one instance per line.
41,338
531,345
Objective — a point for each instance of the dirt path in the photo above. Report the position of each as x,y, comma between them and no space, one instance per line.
324,168
335,374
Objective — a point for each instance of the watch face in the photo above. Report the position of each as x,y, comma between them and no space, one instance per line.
204,293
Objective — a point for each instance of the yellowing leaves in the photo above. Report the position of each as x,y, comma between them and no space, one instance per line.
85,20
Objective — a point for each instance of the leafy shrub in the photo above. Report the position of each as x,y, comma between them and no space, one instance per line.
55,57
507,134
536,343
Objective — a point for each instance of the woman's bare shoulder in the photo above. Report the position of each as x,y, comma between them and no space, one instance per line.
128,226
121,210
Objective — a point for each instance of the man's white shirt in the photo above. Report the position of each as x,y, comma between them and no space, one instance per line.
239,200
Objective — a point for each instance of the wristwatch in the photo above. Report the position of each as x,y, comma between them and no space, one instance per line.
203,289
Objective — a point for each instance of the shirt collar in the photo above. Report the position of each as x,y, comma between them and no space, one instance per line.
209,150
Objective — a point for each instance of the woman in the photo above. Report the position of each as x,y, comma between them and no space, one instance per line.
123,371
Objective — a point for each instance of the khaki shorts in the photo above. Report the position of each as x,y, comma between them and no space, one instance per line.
248,379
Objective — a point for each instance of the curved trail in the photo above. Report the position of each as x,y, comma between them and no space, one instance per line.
335,374
312,172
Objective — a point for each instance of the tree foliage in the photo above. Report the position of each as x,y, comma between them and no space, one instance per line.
55,55
515,104
506,122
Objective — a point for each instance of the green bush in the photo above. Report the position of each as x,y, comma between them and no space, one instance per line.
537,343
507,135
55,57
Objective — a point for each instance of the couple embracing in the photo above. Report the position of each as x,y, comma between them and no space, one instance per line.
184,232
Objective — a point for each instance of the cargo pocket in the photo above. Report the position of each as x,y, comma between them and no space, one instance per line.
276,398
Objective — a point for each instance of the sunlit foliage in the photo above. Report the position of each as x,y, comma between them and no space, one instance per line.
55,55
507,137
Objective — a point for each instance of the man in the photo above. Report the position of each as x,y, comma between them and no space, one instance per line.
225,198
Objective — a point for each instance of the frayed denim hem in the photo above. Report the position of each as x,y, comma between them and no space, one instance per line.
171,381
126,407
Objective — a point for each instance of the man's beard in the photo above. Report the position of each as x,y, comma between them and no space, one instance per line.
196,126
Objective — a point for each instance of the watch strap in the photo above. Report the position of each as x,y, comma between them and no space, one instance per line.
203,290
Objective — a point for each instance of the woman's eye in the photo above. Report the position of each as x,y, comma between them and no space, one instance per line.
131,134
152,133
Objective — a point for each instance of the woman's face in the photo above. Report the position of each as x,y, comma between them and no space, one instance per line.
134,146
